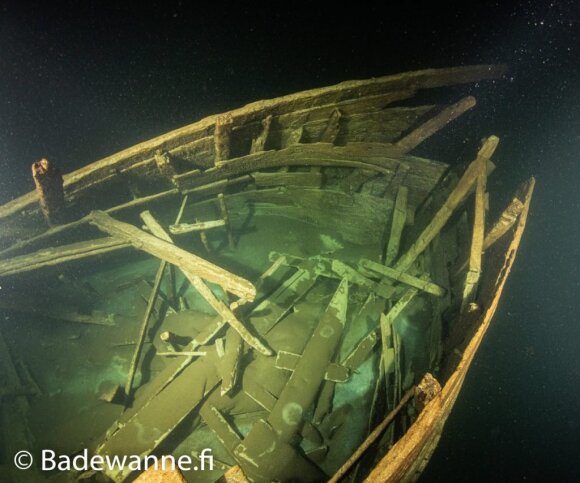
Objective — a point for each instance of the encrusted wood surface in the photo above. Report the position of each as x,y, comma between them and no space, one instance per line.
187,261
408,457
144,153
54,256
362,218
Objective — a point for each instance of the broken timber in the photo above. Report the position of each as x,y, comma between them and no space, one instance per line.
221,308
186,261
476,251
455,198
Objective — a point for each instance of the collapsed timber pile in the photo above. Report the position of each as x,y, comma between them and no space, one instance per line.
266,374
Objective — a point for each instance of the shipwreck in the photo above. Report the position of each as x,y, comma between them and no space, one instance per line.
288,284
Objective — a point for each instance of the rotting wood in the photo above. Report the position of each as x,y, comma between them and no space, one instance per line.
286,417
150,222
281,178
434,124
228,316
60,314
276,264
477,239
179,385
406,459
182,259
413,139
367,155
410,280
334,373
504,223
430,78
221,428
229,363
226,217
222,309
203,237
331,130
388,360
444,213
165,165
182,228
259,142
49,257
397,225
49,188
333,268
371,438
223,137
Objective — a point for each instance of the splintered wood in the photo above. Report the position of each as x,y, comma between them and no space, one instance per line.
187,262
456,197
474,267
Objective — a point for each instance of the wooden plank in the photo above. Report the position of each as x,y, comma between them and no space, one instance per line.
406,459
410,280
99,170
436,123
476,250
308,179
186,261
504,223
331,130
222,309
361,218
60,314
397,225
54,256
222,137
182,228
229,363
333,268
259,142
151,223
226,217
444,213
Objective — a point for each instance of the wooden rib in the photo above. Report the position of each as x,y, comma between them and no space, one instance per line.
379,157
226,217
331,130
505,222
429,78
410,280
434,124
259,142
66,253
182,259
222,137
399,217
476,251
453,201
402,463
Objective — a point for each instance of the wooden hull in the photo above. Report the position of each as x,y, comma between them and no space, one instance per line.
338,159
409,456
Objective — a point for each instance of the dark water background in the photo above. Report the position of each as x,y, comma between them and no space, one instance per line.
77,84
